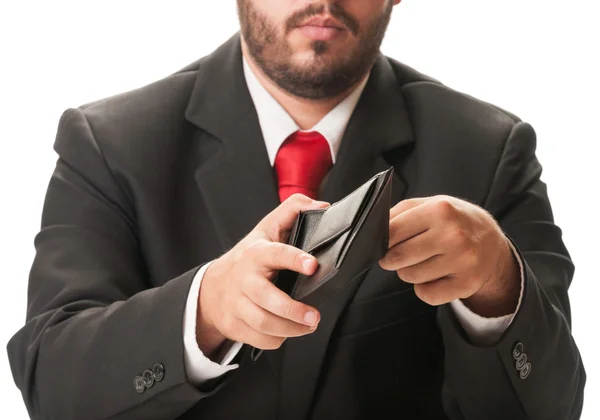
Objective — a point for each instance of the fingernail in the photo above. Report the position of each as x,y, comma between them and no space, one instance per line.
310,317
307,263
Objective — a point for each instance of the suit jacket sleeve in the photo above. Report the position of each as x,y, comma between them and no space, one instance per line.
93,321
535,370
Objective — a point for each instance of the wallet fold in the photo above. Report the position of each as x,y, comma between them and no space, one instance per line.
347,238
360,220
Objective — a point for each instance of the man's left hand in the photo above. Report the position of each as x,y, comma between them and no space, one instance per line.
452,249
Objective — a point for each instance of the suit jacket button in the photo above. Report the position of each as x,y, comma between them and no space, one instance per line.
524,373
138,382
148,378
521,361
517,350
158,371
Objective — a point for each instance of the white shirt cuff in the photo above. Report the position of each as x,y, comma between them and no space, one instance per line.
198,367
486,331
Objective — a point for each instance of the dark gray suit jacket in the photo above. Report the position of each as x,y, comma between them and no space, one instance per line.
152,183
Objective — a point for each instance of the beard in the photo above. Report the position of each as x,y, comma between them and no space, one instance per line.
326,76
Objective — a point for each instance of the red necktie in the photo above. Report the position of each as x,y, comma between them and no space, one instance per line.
301,163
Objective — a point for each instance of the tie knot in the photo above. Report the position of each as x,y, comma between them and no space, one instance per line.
301,163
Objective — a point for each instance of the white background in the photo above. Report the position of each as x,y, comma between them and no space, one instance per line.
536,58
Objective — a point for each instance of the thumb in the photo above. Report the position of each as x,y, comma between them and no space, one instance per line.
279,222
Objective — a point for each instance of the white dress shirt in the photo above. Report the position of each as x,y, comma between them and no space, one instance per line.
276,126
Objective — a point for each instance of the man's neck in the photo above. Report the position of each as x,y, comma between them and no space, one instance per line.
305,112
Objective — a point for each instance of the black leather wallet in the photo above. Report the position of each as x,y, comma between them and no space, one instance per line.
346,238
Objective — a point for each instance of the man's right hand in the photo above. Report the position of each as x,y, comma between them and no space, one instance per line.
238,299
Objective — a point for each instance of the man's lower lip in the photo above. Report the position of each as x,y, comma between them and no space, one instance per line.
320,33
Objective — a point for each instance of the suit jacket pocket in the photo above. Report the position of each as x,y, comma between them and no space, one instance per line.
381,311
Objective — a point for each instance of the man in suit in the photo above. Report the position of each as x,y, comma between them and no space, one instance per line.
166,219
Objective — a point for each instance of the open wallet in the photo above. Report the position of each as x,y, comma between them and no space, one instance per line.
347,238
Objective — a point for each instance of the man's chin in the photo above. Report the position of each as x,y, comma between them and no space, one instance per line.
314,69
317,55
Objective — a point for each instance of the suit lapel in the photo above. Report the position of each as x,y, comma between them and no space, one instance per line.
237,182
238,185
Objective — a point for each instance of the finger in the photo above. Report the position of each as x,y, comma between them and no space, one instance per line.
268,323
277,256
427,271
405,205
410,223
242,332
269,297
412,251
277,224
442,291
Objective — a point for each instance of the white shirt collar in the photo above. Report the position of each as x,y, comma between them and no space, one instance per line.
276,124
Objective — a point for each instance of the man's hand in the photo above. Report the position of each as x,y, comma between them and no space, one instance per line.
449,249
237,298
